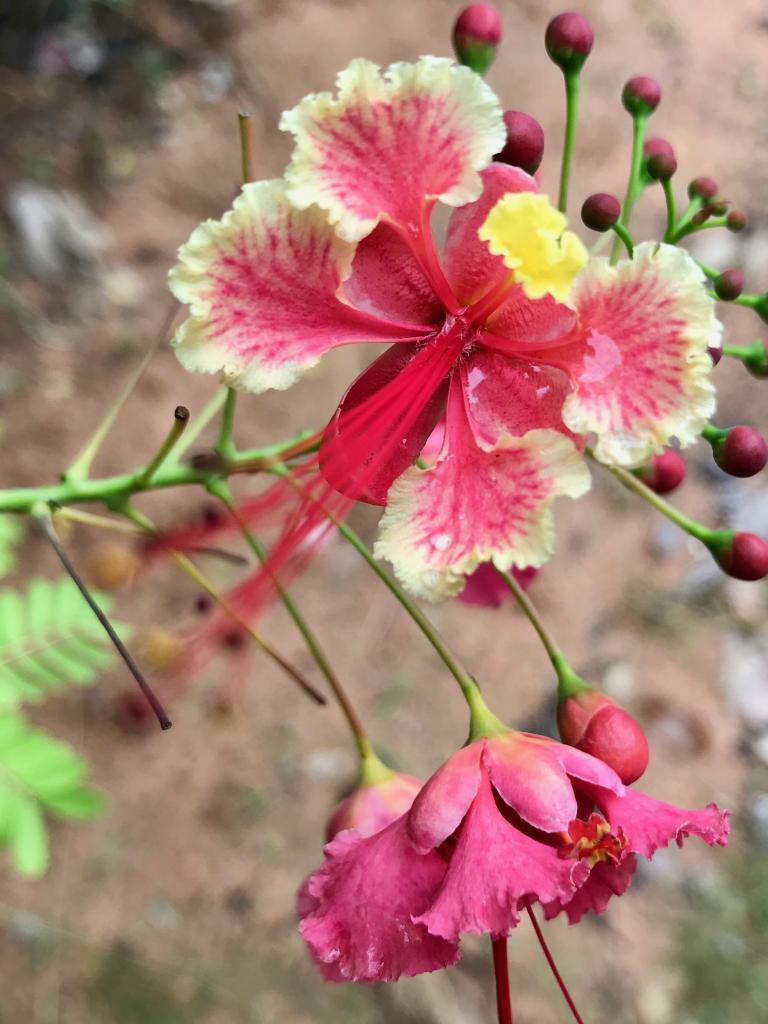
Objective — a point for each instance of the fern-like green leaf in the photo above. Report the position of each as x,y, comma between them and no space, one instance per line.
10,535
49,639
38,774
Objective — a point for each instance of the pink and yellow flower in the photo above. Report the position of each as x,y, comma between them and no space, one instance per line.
522,346
509,820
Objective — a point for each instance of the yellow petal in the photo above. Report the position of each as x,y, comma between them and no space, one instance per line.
529,233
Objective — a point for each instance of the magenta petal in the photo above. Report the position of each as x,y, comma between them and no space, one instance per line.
528,774
649,824
367,893
445,798
587,768
342,438
386,280
493,868
486,587
541,321
469,265
605,880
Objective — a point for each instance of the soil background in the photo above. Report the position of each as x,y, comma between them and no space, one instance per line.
177,904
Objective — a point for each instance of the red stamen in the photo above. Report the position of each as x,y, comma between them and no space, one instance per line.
501,972
552,965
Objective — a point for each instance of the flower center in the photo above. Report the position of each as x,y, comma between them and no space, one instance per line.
593,841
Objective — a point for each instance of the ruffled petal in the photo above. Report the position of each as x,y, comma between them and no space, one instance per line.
642,370
512,396
352,440
649,824
476,505
262,288
390,141
365,896
387,280
469,265
605,880
445,798
492,870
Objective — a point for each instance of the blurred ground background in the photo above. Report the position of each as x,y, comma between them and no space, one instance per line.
119,136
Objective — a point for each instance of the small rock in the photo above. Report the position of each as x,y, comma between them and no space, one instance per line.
744,678
58,234
329,763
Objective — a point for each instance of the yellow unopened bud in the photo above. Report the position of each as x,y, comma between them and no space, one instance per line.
112,565
160,647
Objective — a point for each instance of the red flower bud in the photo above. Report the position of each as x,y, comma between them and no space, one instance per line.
741,452
651,147
729,285
597,725
703,188
524,147
600,211
743,556
661,166
664,472
476,34
132,712
568,39
715,354
736,220
641,95
371,807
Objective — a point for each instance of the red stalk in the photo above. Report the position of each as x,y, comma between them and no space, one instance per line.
501,971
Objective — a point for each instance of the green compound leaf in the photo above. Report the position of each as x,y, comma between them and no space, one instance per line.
11,533
37,774
49,639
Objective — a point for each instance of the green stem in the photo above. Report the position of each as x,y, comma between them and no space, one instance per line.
669,198
692,229
221,490
245,128
180,421
632,483
225,445
80,468
202,581
468,686
569,682
112,488
572,88
634,184
199,423
625,237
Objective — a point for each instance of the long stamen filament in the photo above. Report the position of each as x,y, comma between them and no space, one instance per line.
552,964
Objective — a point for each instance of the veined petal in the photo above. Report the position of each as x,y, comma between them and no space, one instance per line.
504,395
641,370
477,504
388,281
359,907
530,235
492,869
389,141
262,286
